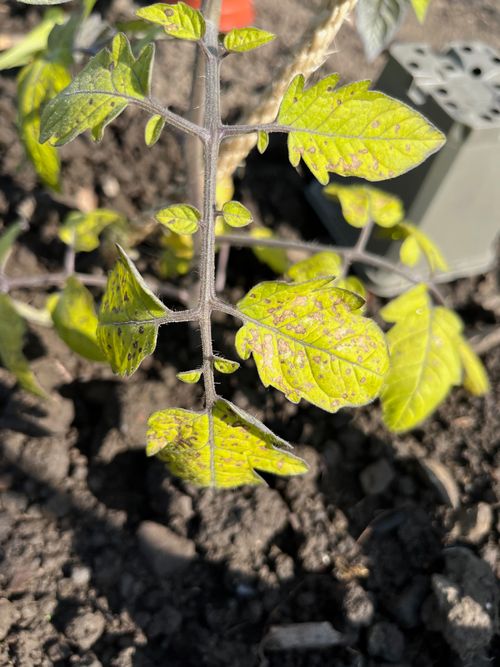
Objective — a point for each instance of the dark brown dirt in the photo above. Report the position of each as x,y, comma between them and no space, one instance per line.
403,565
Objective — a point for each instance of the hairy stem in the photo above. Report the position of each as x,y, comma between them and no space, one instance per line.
359,248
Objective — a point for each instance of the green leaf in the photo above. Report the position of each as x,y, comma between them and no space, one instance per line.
38,83
190,377
75,320
310,341
320,265
353,131
425,362
179,20
154,128
410,252
12,332
431,252
246,39
475,377
377,22
128,319
226,366
420,8
82,230
236,215
221,447
179,218
7,240
176,256
275,258
363,203
99,93
33,42
262,141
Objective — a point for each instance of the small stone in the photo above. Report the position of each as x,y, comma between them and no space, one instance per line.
80,575
358,606
165,551
8,616
473,524
469,628
376,477
85,630
386,641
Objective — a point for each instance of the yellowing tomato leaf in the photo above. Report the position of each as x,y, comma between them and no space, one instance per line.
262,141
410,252
420,8
81,230
320,265
154,128
236,215
190,377
129,318
425,362
176,255
33,42
246,39
475,377
179,218
222,447
99,93
12,332
363,203
310,341
352,284
353,131
427,247
226,366
275,258
179,20
74,316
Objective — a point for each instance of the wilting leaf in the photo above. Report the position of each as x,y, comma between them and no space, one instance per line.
33,42
7,239
377,22
310,341
179,20
425,362
99,93
428,248
275,258
262,141
353,131
221,448
176,256
12,332
363,203
179,218
246,39
38,83
74,316
320,265
190,377
236,215
128,319
420,8
226,366
154,128
475,377
82,230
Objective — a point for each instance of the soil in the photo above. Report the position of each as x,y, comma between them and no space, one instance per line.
105,559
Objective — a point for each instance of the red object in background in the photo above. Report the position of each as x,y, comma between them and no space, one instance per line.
234,13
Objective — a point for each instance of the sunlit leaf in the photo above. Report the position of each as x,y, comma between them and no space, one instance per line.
320,265
33,42
262,141
310,341
154,128
420,8
179,218
425,362
236,215
176,255
226,366
246,39
190,377
74,316
428,248
128,319
81,230
363,203
475,377
38,83
40,316
410,252
179,20
275,258
7,239
377,22
221,448
353,284
99,93
12,332
353,131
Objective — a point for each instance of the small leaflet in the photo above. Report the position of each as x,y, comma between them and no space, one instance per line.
246,39
179,20
236,215
262,141
190,377
82,230
179,218
225,366
153,130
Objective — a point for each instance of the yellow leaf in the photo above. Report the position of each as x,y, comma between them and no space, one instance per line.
428,248
177,255
190,377
247,39
275,258
154,128
420,8
363,203
225,366
475,377
179,218
320,265
179,20
81,230
236,215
